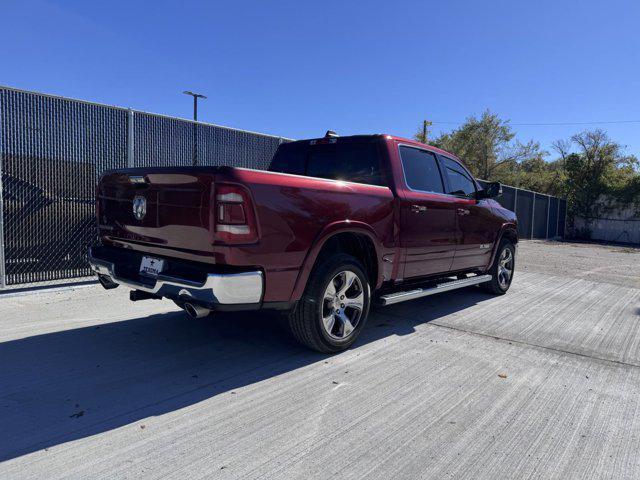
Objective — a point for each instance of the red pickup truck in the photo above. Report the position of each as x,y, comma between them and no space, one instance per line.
335,224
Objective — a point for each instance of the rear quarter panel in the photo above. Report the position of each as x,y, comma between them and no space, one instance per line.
297,214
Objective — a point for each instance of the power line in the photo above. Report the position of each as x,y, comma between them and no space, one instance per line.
552,124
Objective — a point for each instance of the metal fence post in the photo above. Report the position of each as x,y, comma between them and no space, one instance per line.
3,271
548,214
564,228
130,133
533,213
558,219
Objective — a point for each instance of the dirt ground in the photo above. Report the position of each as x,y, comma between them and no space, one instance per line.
600,263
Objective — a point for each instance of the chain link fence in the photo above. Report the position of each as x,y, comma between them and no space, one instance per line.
540,216
54,149
52,152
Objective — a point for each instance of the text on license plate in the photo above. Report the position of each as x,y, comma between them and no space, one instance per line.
151,266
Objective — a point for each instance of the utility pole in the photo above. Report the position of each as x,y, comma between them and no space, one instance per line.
425,130
195,96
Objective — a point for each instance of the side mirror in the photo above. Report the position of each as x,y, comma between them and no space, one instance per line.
491,190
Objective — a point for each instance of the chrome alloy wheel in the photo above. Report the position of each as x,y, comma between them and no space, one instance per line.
505,268
342,305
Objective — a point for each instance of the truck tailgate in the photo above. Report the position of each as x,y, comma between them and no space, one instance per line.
172,207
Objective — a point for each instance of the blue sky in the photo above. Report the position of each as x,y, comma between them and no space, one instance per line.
298,68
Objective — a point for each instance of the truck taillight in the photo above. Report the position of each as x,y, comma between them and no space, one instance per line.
234,216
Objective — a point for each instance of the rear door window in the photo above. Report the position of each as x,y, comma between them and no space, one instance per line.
460,181
421,170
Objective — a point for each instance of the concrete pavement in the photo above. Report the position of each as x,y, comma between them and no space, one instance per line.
543,382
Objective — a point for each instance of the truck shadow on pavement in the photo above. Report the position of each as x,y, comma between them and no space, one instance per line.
72,384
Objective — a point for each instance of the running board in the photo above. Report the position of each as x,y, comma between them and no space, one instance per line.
398,297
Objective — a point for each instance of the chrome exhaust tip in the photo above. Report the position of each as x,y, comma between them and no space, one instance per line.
196,311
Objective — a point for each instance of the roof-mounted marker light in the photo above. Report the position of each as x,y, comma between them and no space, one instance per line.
329,137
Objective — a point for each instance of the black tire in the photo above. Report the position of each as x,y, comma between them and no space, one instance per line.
305,321
497,286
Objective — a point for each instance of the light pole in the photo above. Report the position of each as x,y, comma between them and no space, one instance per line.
195,96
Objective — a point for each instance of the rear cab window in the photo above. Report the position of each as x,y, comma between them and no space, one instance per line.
351,160
421,170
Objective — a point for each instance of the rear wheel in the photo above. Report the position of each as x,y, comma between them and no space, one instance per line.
502,269
334,307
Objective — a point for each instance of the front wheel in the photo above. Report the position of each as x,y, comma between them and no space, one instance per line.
502,269
334,308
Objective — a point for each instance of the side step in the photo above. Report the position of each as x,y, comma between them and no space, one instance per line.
398,297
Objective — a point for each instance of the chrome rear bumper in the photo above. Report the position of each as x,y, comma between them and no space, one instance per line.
218,288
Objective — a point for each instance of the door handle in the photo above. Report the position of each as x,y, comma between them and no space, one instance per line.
463,211
418,208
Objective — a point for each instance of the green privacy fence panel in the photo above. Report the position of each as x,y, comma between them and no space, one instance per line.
52,152
539,215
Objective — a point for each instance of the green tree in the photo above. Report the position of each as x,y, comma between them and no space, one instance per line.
595,166
590,166
487,146
537,174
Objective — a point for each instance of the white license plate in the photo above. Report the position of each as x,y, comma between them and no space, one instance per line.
151,266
